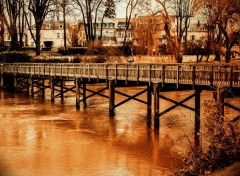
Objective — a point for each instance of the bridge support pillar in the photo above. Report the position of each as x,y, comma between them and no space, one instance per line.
61,91
149,101
197,118
80,91
220,102
14,82
156,105
111,97
31,85
43,88
84,95
52,89
77,93
1,82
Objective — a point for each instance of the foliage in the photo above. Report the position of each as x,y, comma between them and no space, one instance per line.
10,57
222,145
52,60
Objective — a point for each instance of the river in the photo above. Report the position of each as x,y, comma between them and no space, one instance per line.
43,138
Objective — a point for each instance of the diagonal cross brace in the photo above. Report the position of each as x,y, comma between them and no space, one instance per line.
95,93
232,107
131,98
177,104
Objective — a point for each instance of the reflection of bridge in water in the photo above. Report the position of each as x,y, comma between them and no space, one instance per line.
156,78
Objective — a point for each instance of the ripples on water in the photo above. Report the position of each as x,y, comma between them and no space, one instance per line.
41,138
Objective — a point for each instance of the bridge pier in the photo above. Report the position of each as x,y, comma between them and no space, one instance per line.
52,89
80,90
197,120
156,105
111,89
1,82
149,101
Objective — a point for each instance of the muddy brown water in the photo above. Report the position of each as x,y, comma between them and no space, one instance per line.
38,137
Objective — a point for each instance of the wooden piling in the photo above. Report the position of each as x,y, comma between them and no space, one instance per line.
43,88
1,81
156,105
111,97
84,95
61,87
77,93
197,118
31,84
52,89
220,102
149,101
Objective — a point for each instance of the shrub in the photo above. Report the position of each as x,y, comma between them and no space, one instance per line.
222,147
10,57
50,60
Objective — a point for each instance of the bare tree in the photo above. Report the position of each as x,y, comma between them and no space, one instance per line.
222,17
109,11
39,9
89,10
131,6
2,28
11,12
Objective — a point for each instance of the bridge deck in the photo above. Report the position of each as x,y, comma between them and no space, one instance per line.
218,75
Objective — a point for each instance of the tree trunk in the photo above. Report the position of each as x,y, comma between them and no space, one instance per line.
2,34
228,56
14,38
38,37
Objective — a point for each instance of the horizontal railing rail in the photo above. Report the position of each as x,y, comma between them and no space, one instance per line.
192,74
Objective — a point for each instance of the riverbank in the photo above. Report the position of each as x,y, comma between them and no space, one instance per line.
233,170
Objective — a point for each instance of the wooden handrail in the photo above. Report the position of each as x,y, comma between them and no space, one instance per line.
189,73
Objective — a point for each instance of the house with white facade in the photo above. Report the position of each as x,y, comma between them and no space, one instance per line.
51,32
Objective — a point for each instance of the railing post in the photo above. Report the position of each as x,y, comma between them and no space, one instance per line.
116,74
193,76
231,77
211,76
137,74
150,70
126,74
106,70
177,81
163,75
111,97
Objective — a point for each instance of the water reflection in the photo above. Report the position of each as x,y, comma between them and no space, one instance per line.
41,138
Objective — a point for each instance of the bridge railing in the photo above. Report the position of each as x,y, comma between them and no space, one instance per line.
197,74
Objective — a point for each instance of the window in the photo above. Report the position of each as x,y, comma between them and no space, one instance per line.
95,25
58,35
60,26
104,25
111,25
48,26
8,37
119,34
193,37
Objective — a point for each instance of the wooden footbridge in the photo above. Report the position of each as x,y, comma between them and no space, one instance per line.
36,77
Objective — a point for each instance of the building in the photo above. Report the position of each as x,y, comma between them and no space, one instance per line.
52,33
